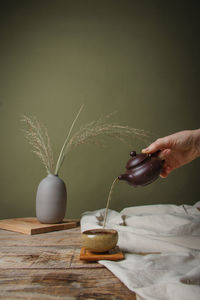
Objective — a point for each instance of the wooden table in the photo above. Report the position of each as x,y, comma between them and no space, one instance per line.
47,266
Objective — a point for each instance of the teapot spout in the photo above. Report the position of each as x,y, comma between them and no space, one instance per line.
123,177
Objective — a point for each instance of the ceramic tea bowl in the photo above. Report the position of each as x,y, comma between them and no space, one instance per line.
99,240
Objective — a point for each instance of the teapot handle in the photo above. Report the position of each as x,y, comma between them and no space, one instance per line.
155,154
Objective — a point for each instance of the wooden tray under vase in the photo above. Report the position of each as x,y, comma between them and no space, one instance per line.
33,226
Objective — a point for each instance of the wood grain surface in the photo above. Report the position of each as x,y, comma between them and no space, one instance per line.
33,226
48,266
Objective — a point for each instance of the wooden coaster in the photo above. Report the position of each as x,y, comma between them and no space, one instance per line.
33,226
114,254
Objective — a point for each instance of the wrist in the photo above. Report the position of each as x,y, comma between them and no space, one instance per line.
196,137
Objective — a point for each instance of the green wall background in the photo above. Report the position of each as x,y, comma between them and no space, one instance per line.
140,58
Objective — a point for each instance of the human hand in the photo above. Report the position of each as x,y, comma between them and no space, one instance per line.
177,149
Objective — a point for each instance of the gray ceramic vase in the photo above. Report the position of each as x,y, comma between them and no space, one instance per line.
51,200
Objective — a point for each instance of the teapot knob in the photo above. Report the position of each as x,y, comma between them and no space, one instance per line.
133,153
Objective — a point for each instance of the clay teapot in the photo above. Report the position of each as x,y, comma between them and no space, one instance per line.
142,169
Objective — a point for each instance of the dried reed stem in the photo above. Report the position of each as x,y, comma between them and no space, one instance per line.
62,152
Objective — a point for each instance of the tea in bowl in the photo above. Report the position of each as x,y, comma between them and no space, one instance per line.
99,240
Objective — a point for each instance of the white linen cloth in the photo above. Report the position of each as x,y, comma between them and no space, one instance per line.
170,233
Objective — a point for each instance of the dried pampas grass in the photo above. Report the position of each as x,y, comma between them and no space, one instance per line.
38,137
93,132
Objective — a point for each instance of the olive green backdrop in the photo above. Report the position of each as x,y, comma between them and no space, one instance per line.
139,58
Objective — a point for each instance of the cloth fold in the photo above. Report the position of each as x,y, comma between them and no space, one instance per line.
170,233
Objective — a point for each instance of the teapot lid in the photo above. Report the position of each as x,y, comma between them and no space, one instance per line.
136,159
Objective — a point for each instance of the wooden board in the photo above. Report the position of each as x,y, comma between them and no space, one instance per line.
33,226
114,254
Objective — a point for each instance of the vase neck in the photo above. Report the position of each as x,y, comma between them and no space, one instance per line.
52,175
